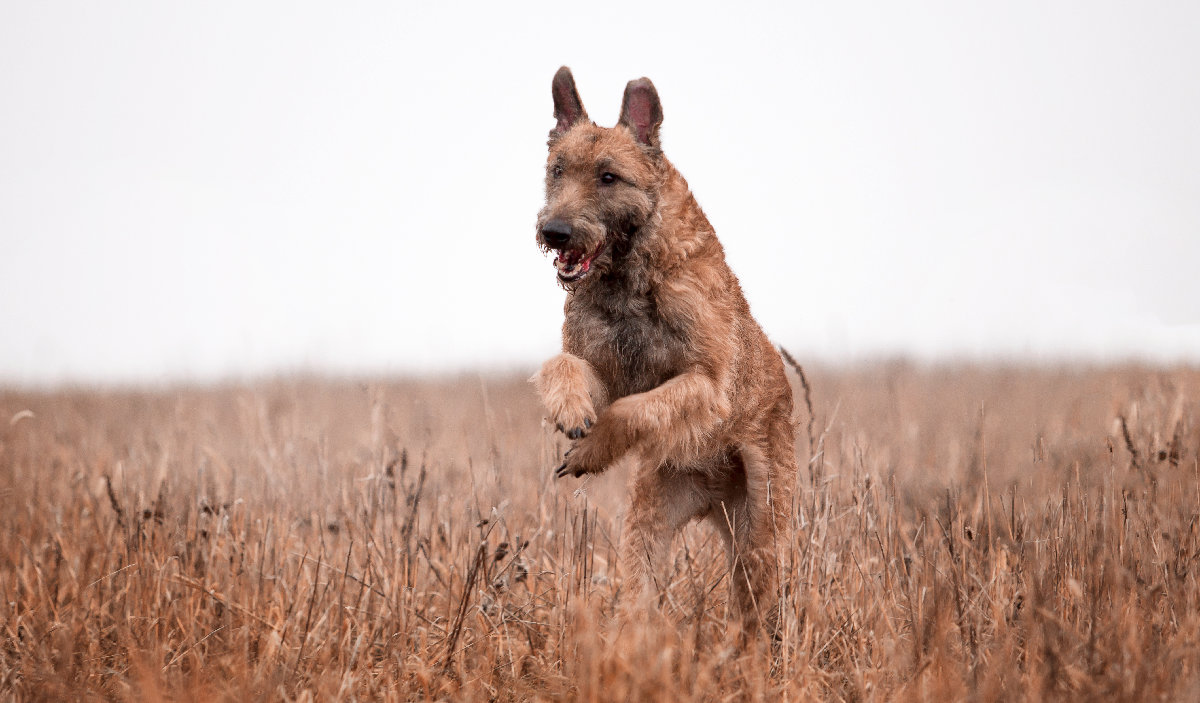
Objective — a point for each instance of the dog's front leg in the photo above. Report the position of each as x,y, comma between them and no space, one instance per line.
571,391
676,419
672,421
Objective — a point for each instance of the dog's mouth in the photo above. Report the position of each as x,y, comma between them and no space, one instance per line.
574,264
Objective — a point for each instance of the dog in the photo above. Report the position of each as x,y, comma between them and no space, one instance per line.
662,363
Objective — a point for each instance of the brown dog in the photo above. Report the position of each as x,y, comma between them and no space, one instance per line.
662,364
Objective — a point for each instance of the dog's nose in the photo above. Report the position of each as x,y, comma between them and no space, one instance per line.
557,233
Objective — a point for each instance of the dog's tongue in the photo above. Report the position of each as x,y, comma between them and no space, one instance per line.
568,261
569,265
575,263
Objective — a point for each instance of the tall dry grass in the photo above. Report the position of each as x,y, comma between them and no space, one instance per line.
961,534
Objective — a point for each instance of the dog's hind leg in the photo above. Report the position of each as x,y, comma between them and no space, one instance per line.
662,502
753,520
572,393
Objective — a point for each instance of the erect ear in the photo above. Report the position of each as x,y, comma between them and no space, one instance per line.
568,108
641,111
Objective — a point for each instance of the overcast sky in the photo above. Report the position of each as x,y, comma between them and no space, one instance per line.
210,190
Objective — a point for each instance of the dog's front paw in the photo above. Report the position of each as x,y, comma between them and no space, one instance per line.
586,456
573,415
571,412
574,467
566,384
576,432
568,468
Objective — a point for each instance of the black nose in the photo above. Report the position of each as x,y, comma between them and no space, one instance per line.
557,233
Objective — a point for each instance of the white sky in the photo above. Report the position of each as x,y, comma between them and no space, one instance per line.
229,189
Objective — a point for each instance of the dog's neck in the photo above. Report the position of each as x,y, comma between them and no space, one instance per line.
674,233
679,230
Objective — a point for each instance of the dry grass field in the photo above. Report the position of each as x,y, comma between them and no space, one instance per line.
962,533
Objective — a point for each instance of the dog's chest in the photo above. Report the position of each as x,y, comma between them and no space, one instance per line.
624,337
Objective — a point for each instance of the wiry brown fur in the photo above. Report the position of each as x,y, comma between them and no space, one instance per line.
662,363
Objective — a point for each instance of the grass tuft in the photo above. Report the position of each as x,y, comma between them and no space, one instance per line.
960,533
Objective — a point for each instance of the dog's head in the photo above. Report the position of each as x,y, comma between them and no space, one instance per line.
601,183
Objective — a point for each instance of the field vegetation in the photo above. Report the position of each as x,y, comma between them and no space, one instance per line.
996,533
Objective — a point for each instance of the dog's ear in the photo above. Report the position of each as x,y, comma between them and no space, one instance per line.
641,111
568,108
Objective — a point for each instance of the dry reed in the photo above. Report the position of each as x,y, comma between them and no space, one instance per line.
963,533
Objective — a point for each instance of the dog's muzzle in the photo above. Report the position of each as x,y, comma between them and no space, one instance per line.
573,261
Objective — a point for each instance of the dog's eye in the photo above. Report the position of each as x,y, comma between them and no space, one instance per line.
556,172
608,179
